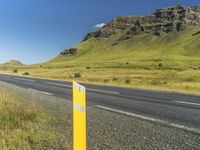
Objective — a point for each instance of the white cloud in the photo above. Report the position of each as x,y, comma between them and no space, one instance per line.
100,25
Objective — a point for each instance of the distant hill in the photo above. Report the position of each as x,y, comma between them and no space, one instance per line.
170,35
13,63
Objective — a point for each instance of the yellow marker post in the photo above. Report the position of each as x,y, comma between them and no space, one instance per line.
79,117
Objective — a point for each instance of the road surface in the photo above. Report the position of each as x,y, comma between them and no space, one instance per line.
171,109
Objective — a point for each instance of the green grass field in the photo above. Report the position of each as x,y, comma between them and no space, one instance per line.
24,125
167,62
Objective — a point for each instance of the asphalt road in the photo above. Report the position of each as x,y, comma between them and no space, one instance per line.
171,109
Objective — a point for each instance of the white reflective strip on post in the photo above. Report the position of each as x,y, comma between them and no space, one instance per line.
79,87
78,107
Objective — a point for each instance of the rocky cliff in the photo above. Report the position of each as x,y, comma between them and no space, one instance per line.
162,21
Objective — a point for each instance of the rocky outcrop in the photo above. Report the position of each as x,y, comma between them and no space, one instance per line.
70,51
162,21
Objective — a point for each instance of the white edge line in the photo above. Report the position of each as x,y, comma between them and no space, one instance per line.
189,103
151,119
47,93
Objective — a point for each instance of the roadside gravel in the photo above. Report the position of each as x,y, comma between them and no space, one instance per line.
110,131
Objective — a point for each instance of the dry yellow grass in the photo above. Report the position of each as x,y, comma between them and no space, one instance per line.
24,124
184,81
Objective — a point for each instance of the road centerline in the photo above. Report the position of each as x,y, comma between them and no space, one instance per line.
188,103
90,89
58,84
29,80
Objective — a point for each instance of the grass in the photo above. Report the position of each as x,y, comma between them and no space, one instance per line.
167,62
24,124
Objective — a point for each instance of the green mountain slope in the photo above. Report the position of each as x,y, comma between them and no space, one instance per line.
173,46
169,35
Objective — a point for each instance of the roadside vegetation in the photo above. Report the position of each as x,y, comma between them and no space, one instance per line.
25,125
179,79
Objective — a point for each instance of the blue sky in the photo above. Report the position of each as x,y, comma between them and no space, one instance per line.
33,31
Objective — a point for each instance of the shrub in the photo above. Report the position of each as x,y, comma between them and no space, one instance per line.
127,63
165,82
15,70
160,65
71,76
115,79
154,82
26,73
77,75
88,67
158,82
106,80
115,43
195,68
190,79
127,81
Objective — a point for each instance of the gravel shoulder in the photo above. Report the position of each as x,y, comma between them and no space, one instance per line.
110,131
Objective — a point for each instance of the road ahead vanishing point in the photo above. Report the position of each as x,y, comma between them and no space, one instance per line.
175,110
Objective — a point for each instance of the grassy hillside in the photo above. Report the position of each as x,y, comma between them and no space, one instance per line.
176,49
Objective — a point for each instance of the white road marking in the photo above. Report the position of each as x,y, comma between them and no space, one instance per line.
63,85
189,103
29,80
167,123
90,89
47,93
103,91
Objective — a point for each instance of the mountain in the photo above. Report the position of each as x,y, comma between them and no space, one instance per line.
170,35
163,21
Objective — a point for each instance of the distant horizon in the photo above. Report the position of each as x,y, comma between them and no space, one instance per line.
36,31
